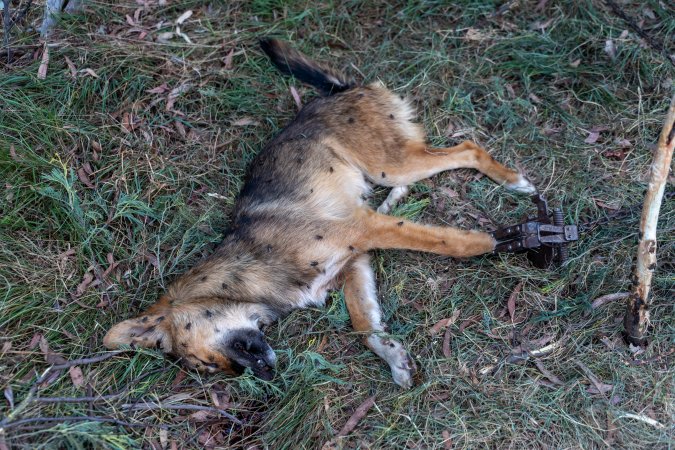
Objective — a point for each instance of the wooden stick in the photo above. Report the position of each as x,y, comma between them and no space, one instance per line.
7,24
637,315
154,406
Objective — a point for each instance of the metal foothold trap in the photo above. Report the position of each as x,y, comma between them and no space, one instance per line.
544,238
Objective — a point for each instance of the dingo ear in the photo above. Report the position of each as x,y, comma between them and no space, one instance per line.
150,330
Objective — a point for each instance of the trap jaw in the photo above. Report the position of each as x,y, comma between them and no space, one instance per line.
544,238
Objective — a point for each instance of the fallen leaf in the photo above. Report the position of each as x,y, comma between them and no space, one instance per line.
575,63
183,17
185,37
137,15
623,143
112,265
175,93
511,303
180,376
51,357
180,128
540,6
617,155
76,376
470,321
649,13
538,25
610,437
130,21
598,302
449,192
443,323
35,340
12,152
164,437
162,88
244,121
71,67
44,345
42,70
201,416
635,349
214,399
216,195
296,97
84,284
592,137
598,387
607,205
228,60
472,34
548,374
447,442
610,49
9,395
84,178
152,259
89,72
359,413
166,36
446,342
129,122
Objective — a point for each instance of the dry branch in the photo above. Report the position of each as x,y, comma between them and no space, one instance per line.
178,406
637,315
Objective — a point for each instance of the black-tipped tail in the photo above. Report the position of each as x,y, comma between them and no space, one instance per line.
289,61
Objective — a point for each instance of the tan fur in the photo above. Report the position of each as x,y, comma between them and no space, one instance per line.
301,224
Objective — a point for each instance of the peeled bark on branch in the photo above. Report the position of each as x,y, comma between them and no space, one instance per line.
637,315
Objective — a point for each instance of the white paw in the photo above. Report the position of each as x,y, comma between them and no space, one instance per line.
522,186
393,198
403,371
401,364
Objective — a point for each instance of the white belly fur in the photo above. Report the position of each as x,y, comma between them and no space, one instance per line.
315,295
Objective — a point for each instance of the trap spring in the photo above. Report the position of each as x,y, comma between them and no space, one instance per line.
544,238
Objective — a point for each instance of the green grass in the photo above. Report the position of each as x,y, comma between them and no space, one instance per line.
529,94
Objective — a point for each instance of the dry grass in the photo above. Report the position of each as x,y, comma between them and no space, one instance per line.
530,84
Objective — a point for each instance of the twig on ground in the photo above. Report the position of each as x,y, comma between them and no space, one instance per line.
643,418
7,26
636,319
153,406
30,396
98,398
92,360
598,302
657,358
359,413
21,422
355,418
